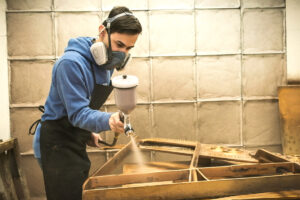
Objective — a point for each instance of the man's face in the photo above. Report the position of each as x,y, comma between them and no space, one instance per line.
121,41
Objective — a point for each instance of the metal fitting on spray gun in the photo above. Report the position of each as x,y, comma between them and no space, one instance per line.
129,131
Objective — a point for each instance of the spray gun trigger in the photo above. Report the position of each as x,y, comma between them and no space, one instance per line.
121,115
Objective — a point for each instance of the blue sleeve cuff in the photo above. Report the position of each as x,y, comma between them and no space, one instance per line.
103,124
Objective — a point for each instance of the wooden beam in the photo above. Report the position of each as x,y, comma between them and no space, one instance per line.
194,162
168,142
118,180
188,147
170,165
199,189
113,162
172,150
238,171
284,195
195,158
153,166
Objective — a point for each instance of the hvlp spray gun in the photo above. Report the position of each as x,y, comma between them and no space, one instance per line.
125,98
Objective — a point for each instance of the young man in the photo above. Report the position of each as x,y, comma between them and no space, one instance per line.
80,85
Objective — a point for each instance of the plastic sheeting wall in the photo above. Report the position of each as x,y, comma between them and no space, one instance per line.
209,70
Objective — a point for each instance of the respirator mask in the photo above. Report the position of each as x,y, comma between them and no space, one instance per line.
105,57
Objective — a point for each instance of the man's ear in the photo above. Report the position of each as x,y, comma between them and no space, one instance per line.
102,31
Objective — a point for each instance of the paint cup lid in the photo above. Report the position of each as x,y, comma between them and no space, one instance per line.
125,81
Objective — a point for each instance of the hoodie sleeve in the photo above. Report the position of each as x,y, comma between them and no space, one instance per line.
74,95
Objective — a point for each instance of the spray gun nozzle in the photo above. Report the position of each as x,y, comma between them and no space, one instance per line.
129,131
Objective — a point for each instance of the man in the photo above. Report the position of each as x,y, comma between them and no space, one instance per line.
80,85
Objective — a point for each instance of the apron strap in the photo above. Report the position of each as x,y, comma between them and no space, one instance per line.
36,123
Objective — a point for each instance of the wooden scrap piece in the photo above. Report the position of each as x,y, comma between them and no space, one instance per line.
265,156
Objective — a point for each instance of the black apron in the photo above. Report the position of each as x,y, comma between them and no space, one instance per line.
65,162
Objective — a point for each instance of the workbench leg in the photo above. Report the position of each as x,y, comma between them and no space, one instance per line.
6,181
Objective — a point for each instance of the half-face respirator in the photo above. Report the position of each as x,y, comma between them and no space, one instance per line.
106,58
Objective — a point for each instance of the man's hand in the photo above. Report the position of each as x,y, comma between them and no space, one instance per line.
116,125
93,142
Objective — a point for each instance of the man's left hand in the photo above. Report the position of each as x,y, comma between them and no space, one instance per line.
93,142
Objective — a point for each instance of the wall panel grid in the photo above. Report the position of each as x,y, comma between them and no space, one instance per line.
208,69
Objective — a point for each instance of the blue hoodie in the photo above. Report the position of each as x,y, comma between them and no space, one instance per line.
71,89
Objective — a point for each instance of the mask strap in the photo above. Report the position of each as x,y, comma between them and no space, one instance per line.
109,21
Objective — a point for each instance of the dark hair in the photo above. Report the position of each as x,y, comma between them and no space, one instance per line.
128,24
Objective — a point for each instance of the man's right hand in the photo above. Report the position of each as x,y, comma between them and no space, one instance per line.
115,123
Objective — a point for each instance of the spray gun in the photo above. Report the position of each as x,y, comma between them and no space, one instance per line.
125,98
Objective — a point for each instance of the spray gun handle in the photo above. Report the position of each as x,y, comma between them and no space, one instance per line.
121,115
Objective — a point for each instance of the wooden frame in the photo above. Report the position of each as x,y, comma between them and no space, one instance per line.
194,182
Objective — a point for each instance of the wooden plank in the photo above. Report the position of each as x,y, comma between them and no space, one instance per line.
168,142
200,189
202,175
153,166
113,162
118,180
147,184
226,153
194,162
173,150
7,180
195,158
287,194
170,165
187,148
9,144
237,171
133,168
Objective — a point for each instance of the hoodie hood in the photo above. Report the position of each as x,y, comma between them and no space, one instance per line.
82,46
